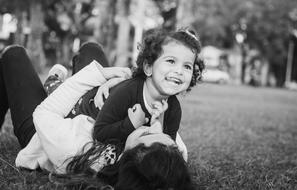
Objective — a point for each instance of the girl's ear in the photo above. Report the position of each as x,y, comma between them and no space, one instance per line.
147,69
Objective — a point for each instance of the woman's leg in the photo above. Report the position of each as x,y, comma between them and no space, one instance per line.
88,52
3,97
24,91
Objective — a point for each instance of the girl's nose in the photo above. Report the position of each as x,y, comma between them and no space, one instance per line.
178,69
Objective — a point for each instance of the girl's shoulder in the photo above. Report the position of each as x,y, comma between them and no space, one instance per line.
173,102
128,89
132,84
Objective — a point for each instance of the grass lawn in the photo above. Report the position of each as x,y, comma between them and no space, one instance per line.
238,137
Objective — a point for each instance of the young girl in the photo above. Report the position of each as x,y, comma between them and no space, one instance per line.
168,64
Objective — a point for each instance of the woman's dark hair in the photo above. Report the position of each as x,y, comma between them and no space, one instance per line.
80,173
156,167
151,49
142,168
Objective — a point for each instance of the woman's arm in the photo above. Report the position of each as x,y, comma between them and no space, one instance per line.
182,146
103,91
61,137
62,100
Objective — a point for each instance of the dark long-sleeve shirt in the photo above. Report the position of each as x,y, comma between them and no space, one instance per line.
113,122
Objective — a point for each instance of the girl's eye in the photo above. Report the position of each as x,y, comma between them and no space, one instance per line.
188,67
171,61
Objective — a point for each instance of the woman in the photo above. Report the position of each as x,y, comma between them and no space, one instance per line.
57,143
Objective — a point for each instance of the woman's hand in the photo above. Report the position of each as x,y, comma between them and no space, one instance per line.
103,91
112,72
137,116
132,139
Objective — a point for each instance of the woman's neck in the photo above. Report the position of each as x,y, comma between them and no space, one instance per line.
151,93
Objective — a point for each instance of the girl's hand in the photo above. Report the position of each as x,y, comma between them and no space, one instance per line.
158,109
137,116
103,91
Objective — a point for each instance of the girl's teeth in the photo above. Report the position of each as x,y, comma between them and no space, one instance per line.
176,81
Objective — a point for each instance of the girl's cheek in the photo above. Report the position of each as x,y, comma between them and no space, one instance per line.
189,78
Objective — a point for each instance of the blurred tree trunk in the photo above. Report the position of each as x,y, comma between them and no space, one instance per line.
184,15
168,10
21,16
122,46
35,37
138,27
66,47
110,31
105,29
1,22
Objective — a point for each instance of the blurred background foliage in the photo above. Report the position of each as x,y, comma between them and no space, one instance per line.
243,30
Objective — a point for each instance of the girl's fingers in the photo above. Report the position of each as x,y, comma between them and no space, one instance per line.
137,108
157,105
161,106
165,105
156,112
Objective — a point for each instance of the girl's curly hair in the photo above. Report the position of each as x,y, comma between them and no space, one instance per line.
151,49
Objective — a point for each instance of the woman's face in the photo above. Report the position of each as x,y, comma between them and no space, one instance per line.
142,135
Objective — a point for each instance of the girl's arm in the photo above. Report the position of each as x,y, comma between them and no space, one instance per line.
172,117
113,121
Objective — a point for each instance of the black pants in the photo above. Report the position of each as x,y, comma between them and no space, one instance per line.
21,89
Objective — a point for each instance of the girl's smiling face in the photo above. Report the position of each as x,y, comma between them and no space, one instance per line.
172,72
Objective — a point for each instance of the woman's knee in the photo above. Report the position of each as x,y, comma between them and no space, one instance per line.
13,50
15,60
88,52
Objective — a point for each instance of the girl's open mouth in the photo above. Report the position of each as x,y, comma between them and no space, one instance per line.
174,80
